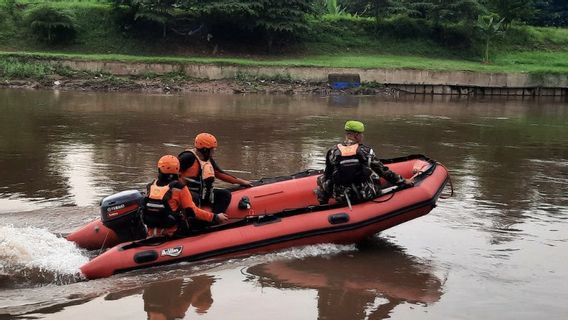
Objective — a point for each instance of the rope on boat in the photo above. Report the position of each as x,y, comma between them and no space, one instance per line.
104,242
392,196
449,180
423,170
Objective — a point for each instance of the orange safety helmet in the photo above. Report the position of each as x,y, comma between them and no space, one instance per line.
205,140
168,164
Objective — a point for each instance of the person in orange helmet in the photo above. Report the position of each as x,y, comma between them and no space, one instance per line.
168,202
198,171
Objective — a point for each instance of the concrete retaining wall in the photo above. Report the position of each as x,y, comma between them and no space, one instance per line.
414,81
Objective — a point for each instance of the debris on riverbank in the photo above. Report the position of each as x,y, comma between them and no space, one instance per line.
161,85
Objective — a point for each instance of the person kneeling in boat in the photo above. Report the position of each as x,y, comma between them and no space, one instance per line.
169,208
199,170
352,171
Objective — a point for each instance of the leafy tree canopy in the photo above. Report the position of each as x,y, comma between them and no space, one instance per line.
551,13
511,10
273,19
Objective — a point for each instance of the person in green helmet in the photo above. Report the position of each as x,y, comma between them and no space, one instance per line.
352,170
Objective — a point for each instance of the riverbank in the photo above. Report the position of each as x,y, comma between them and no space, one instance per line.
171,74
111,51
161,85
106,47
534,62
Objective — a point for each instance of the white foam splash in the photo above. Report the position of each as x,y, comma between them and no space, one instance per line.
14,204
324,249
35,248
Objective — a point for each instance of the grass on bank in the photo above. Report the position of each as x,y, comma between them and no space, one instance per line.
515,62
12,68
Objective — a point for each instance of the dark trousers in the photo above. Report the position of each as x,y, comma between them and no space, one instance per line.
221,200
159,221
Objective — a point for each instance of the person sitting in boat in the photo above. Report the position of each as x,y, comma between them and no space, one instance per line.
199,170
352,170
169,207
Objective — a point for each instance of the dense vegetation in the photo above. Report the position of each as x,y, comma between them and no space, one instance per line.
531,31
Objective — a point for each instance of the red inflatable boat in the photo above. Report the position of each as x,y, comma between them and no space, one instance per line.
276,213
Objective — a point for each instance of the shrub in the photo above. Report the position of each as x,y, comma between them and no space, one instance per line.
402,26
51,25
341,32
4,20
456,36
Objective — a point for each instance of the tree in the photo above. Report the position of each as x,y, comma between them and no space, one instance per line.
274,19
465,11
489,28
551,13
374,8
445,11
511,10
281,18
437,11
51,25
332,7
380,8
155,11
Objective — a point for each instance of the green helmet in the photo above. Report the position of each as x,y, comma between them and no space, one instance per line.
354,126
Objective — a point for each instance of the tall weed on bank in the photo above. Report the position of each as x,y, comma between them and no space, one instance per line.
11,68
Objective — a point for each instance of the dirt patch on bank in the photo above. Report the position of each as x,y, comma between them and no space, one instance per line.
225,86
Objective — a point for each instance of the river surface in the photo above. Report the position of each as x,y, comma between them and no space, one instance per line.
496,250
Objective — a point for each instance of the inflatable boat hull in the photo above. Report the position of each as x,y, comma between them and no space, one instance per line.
286,228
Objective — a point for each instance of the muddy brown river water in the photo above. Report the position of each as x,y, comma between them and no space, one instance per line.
496,250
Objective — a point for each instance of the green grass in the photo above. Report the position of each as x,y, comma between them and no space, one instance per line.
13,68
529,62
524,38
556,36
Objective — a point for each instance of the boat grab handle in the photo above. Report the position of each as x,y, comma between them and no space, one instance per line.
338,218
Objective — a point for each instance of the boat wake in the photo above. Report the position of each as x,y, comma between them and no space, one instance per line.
33,257
298,253
324,249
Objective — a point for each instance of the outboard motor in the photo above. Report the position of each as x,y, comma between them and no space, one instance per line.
122,213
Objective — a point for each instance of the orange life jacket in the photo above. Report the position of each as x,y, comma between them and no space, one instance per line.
348,151
200,176
157,200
